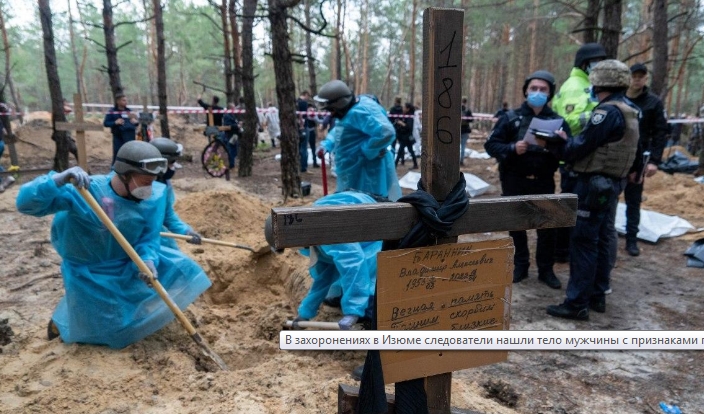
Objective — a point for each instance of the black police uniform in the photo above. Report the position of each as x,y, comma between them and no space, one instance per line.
530,173
592,244
653,137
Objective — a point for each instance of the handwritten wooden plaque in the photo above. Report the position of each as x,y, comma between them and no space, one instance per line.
465,286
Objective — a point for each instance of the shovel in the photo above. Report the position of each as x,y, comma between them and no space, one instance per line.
261,250
155,283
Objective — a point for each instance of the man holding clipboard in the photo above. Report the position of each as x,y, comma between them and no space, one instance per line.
525,144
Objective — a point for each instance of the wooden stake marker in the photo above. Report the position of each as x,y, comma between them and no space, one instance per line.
80,127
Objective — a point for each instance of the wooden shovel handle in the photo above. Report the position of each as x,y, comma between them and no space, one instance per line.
136,259
204,240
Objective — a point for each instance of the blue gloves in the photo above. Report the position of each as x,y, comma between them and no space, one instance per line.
195,237
144,277
347,322
80,177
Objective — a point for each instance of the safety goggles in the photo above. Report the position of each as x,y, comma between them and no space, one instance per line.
326,103
151,165
175,154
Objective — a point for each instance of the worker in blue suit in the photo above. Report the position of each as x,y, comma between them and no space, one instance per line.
360,142
351,266
106,301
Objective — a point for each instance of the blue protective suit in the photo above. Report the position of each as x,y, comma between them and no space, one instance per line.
353,265
105,301
172,222
360,142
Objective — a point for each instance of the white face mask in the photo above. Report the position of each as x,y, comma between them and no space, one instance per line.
143,192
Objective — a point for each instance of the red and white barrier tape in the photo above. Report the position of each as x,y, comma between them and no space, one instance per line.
199,110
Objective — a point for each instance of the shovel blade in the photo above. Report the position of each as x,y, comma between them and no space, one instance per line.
209,352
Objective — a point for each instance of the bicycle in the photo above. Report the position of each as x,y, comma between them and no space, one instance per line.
215,155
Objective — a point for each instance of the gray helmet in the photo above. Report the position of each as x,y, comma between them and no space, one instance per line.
139,157
168,148
542,75
334,95
610,73
587,52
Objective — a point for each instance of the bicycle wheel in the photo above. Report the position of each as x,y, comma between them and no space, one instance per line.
215,159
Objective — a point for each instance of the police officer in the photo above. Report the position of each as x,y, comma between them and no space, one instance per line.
653,137
601,158
527,165
574,104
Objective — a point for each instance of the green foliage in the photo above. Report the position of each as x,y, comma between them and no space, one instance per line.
194,47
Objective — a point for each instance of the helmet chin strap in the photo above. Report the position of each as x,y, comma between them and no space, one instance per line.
125,180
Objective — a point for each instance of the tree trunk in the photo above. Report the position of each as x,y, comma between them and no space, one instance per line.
337,44
591,21
10,138
364,81
310,60
8,68
151,51
236,51
227,59
84,57
345,51
612,27
286,96
74,51
52,73
161,67
249,137
111,50
659,78
412,54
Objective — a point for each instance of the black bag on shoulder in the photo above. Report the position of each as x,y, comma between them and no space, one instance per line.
601,191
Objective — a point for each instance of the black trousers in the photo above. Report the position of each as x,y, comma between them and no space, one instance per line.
634,196
513,185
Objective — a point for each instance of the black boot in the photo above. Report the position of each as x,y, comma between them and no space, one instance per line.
548,277
567,311
632,247
598,304
520,272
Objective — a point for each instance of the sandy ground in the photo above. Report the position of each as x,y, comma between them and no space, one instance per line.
241,314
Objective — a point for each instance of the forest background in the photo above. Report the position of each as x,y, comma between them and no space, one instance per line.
379,49
163,52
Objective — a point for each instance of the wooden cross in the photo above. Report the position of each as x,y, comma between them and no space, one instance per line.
80,127
211,123
442,73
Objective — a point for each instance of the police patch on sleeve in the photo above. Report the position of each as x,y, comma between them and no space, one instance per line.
598,116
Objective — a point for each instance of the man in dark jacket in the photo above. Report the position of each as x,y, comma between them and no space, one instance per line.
122,125
304,131
395,115
217,117
527,165
600,159
653,137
